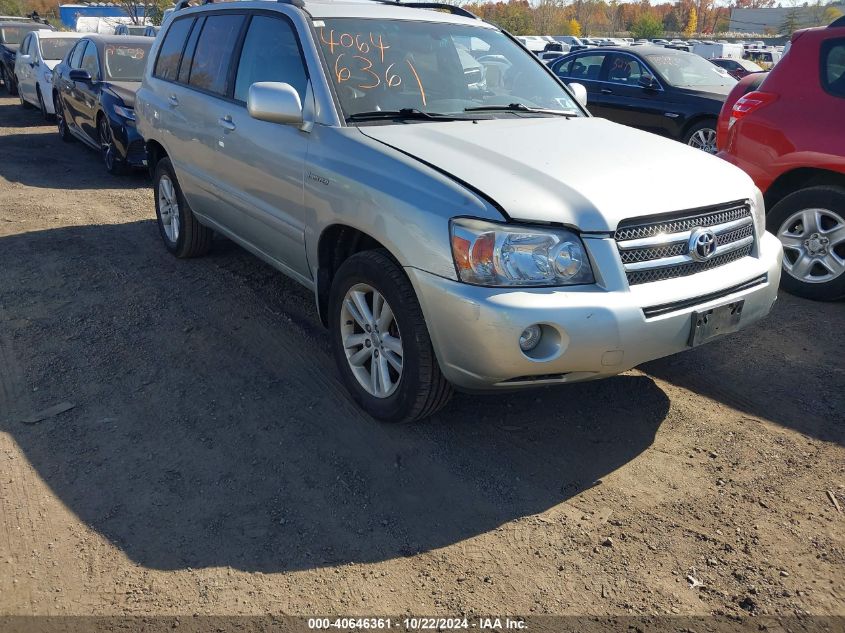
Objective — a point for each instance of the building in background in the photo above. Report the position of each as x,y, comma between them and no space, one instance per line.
70,13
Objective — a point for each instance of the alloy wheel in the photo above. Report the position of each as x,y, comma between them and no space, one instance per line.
704,139
107,143
813,245
168,208
371,340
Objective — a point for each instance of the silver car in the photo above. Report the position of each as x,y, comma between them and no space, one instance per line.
434,205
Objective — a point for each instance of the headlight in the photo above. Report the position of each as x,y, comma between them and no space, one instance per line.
488,254
125,112
758,211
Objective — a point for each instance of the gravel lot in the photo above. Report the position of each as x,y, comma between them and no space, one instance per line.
212,463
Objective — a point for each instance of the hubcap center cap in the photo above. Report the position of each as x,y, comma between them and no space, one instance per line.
816,244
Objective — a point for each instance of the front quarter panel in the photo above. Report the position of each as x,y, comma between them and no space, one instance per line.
356,181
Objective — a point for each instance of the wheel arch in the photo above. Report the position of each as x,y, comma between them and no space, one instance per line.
155,152
337,243
695,120
801,178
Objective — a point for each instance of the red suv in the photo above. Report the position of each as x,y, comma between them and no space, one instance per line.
787,131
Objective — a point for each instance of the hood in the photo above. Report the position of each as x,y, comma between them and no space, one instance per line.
587,173
125,90
709,92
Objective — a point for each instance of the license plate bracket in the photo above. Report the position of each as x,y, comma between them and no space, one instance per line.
716,321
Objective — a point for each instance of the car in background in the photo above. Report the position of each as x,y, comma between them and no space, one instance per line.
661,90
737,68
151,31
12,32
763,58
786,130
39,53
94,97
130,29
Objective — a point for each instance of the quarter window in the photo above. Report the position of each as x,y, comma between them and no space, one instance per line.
270,53
833,67
167,64
210,65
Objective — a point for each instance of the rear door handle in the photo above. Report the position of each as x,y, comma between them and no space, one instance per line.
606,91
226,122
173,100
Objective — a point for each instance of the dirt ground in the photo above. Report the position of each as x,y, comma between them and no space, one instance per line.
212,463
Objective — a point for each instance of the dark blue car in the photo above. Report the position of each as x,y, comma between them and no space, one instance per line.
94,96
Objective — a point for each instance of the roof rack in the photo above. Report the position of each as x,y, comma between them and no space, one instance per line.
184,4
439,6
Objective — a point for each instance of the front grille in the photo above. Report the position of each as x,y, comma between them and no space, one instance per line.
657,247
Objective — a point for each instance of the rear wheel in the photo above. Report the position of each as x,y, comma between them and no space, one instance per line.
381,343
182,234
702,136
61,119
811,226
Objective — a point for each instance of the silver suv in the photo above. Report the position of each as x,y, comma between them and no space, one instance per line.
415,168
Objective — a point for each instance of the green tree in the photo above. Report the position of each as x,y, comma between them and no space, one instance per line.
791,22
647,26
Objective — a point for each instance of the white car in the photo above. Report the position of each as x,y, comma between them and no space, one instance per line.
38,54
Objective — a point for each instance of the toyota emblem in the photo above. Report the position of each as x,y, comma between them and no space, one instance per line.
702,244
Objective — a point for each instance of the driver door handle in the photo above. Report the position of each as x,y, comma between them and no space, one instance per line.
606,91
226,122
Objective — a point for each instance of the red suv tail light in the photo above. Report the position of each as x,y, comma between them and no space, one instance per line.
749,103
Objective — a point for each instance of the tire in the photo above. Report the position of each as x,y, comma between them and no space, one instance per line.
61,119
9,83
190,238
114,162
46,115
810,224
702,136
26,105
419,389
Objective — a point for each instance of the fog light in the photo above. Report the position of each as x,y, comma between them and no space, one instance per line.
530,337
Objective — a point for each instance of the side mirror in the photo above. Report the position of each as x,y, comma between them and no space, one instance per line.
78,74
649,83
580,93
275,102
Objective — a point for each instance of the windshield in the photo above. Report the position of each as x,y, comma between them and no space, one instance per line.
56,47
689,70
391,65
126,62
14,34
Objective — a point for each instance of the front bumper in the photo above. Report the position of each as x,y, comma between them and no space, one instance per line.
595,331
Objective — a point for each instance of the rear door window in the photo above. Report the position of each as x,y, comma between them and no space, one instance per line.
167,64
270,53
833,67
584,67
213,57
190,47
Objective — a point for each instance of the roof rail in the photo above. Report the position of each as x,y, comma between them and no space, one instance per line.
184,4
439,6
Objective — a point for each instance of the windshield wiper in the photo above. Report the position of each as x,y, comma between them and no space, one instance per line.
520,107
405,114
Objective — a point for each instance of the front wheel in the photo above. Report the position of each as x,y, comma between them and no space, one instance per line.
381,343
182,234
702,136
9,83
810,224
26,105
43,107
61,119
115,164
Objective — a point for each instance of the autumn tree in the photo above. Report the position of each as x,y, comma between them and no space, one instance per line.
692,23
